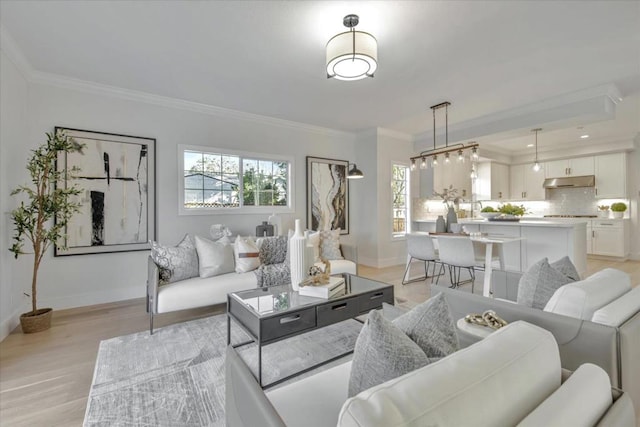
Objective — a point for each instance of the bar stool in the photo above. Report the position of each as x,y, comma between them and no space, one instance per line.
420,247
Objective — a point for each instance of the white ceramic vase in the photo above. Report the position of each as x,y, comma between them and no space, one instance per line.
298,248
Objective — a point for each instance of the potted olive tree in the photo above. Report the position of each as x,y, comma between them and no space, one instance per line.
42,217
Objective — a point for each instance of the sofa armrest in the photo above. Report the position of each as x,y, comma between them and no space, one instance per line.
153,279
245,402
350,252
620,413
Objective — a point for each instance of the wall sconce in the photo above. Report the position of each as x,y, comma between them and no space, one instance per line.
354,172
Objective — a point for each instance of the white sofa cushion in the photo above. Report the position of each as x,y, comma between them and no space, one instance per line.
581,401
581,299
198,292
214,257
321,396
479,385
617,312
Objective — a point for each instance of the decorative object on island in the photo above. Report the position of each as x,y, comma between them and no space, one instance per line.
618,209
603,211
451,199
118,175
441,226
488,212
48,198
327,194
509,212
352,55
265,229
354,172
536,165
297,247
458,148
276,221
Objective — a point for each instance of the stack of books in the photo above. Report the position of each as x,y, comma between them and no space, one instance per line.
334,287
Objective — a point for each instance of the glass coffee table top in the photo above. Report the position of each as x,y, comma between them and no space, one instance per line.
281,299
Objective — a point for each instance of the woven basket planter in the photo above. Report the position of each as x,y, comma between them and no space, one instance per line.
38,322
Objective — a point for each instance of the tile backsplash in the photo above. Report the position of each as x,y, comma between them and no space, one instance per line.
572,201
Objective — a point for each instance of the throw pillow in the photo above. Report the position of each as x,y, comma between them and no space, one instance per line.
247,254
330,244
431,326
215,257
314,241
382,352
273,249
538,284
566,267
175,263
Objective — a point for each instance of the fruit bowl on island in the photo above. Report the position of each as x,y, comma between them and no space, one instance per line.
489,215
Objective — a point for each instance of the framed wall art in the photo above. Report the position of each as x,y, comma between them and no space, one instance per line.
327,194
117,178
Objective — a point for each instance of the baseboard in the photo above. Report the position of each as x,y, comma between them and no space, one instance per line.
93,298
635,256
380,262
10,324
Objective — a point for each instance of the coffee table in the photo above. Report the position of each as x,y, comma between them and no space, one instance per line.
275,313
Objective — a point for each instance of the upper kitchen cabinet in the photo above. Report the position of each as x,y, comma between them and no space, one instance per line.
578,166
492,182
456,174
611,176
526,184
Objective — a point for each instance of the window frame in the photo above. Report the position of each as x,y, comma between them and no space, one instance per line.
401,236
242,156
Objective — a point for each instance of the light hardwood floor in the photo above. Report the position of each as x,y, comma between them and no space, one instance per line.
45,377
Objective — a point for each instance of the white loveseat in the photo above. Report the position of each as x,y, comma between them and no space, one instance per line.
512,377
202,292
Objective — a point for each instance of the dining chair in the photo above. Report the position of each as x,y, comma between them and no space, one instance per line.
420,247
457,252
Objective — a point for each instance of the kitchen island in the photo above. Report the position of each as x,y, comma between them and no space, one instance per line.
540,238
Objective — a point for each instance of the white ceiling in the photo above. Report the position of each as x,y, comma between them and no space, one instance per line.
267,57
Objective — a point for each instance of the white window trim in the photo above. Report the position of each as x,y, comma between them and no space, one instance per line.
394,236
242,210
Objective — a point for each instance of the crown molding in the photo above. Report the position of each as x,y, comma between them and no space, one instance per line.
13,52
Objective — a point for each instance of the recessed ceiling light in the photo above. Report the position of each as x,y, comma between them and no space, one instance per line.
584,136
529,145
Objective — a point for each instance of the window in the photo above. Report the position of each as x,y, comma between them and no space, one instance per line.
400,203
217,180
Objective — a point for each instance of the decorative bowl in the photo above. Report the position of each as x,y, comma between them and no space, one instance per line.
488,215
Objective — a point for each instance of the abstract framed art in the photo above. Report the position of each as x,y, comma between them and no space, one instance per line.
327,194
117,178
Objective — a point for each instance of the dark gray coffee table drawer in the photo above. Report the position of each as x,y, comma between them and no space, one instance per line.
337,311
374,299
290,323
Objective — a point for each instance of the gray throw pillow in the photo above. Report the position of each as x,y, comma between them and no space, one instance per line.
431,326
383,352
175,263
538,284
566,267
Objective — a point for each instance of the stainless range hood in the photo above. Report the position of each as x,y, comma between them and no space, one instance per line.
570,182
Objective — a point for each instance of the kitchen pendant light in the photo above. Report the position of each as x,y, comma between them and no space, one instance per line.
352,55
536,164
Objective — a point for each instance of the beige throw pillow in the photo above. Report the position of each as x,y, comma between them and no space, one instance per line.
330,244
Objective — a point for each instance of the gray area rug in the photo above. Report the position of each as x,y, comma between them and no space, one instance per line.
175,377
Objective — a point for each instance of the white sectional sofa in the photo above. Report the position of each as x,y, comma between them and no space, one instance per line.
512,377
202,292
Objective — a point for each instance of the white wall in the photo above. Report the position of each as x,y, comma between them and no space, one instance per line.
633,190
90,279
13,130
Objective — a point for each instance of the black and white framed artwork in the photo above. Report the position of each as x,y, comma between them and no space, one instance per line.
327,194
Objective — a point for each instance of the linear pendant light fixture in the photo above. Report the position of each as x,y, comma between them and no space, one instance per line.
458,149
352,55
536,165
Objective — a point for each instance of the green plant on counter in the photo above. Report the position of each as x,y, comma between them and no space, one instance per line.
488,209
619,207
514,210
603,207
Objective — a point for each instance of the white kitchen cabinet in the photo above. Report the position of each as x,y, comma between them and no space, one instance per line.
525,183
610,238
611,176
578,166
492,182
454,174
